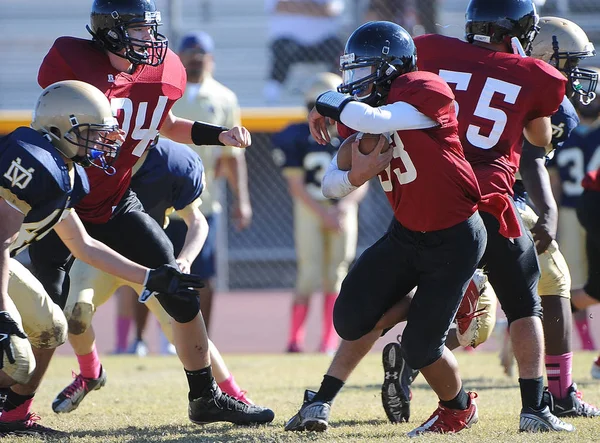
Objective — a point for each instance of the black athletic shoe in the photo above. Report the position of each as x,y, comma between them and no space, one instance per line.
395,390
573,405
214,405
28,426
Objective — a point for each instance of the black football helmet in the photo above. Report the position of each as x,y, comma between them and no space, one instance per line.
375,54
497,21
111,20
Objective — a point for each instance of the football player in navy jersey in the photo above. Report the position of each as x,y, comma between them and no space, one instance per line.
168,177
42,180
325,230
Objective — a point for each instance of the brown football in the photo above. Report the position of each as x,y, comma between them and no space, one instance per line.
366,146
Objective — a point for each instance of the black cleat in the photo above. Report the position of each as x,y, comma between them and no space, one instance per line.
215,405
395,390
573,405
28,426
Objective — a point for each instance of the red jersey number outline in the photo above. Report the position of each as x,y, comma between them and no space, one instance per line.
144,135
483,109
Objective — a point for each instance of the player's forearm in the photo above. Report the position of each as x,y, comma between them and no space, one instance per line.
336,183
537,181
100,256
357,196
197,232
186,131
236,174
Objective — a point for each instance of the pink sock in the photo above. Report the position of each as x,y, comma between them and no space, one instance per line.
89,364
329,338
299,313
583,328
123,325
230,387
19,413
558,371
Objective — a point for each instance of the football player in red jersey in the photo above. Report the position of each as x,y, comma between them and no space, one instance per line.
501,96
437,236
128,59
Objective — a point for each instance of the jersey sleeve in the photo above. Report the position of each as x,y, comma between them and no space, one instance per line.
190,185
24,181
287,154
551,90
427,92
54,67
564,121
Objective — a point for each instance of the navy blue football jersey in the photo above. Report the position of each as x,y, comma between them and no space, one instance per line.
172,176
564,121
578,156
294,147
36,180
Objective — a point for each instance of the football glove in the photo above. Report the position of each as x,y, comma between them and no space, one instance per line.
169,280
8,327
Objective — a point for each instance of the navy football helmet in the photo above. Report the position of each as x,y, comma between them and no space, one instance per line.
498,21
111,21
375,54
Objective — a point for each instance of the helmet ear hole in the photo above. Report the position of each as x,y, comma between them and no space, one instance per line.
55,132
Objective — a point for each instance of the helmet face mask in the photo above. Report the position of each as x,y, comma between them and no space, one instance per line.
376,53
115,25
77,119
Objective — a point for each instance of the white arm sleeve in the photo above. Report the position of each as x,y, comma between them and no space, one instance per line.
399,116
335,182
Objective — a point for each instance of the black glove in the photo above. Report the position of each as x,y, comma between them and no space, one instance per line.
167,279
8,327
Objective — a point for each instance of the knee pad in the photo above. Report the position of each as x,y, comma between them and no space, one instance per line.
22,369
80,318
349,323
180,309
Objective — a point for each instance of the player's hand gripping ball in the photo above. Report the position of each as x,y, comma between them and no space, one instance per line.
367,144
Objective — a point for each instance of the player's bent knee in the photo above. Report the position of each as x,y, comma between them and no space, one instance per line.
349,323
179,309
80,318
21,371
555,278
420,355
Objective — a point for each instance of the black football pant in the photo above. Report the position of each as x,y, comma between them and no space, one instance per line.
588,213
130,231
439,263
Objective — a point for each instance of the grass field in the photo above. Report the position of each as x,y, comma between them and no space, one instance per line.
145,401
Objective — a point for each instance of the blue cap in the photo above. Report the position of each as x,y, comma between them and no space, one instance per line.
197,40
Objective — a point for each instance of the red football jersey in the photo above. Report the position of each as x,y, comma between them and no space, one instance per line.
497,95
592,181
429,183
140,101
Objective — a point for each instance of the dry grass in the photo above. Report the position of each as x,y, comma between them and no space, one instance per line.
145,401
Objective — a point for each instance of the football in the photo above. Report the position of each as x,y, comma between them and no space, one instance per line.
366,146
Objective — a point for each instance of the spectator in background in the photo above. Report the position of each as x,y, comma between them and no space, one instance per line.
416,16
208,100
325,231
579,155
301,31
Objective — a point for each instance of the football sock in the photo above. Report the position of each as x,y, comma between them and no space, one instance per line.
558,371
330,386
89,364
198,381
123,325
461,401
16,407
531,392
329,338
299,313
230,387
583,329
